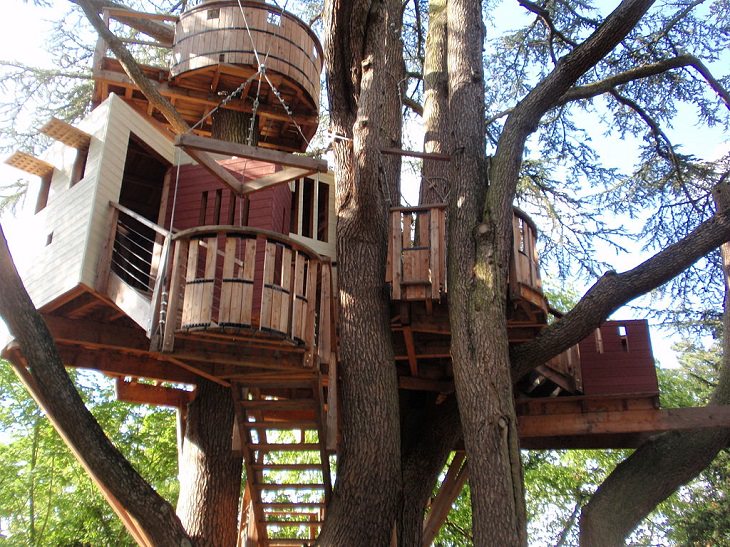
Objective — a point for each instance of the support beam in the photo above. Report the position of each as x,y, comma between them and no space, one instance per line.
148,394
644,421
451,487
193,142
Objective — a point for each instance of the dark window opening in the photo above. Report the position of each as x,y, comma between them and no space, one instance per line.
214,13
49,239
307,207
323,211
79,167
294,218
135,246
202,212
623,337
522,247
42,201
231,208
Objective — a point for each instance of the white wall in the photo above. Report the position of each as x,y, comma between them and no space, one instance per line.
76,218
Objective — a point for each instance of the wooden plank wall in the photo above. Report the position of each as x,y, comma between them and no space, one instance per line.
291,46
615,364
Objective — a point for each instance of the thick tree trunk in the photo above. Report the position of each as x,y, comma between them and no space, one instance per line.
430,431
210,473
477,266
234,126
368,488
154,516
435,106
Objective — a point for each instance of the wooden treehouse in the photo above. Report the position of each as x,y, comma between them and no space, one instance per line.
162,261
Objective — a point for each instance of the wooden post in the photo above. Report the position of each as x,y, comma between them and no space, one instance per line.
450,488
105,258
178,270
396,242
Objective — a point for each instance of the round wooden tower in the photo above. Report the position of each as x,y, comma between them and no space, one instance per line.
221,45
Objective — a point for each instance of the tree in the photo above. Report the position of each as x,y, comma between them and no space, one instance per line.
46,496
567,56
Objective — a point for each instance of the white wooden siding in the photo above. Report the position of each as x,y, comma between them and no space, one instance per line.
78,216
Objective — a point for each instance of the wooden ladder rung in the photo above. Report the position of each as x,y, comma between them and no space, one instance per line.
291,504
288,523
293,486
276,404
284,447
287,466
281,426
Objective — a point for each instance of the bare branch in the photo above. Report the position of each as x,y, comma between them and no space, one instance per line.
413,105
132,68
544,16
607,85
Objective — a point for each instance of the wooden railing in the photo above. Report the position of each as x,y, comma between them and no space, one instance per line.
227,279
417,252
417,255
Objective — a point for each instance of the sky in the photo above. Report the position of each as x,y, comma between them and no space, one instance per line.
22,38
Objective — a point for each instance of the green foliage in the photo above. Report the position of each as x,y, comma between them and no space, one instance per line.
46,498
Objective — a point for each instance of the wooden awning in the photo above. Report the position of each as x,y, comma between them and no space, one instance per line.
29,164
294,167
67,134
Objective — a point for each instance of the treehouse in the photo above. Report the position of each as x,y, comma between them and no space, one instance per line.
161,261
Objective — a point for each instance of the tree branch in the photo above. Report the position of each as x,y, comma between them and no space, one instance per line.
413,105
614,290
159,31
153,514
607,85
526,116
132,68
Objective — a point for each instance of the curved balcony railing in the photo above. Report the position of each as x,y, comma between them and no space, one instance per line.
229,279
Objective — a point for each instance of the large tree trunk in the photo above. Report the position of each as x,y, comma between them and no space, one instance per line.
662,464
210,473
479,248
367,492
430,431
435,106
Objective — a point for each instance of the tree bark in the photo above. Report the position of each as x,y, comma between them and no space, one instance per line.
435,106
477,269
366,495
154,515
430,431
210,473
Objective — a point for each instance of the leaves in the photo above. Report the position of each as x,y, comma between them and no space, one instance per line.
46,498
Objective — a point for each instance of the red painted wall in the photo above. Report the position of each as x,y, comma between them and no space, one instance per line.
625,364
268,209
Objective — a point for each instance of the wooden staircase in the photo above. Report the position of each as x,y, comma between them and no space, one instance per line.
281,423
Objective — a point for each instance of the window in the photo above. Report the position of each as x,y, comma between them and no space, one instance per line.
79,168
44,191
214,13
623,337
307,207
274,19
521,247
323,211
